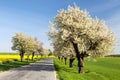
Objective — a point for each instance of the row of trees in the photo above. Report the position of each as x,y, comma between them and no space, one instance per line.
27,44
75,34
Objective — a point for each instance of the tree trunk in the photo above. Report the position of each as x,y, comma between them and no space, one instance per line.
65,60
33,55
28,57
80,65
80,58
71,62
59,57
62,58
21,55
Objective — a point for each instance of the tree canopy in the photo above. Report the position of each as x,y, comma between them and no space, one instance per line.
26,44
91,34
74,29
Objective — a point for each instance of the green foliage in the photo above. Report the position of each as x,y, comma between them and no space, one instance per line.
101,69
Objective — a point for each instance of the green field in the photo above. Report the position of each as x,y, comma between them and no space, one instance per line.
99,69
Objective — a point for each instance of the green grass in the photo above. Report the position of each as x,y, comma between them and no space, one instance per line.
101,69
9,64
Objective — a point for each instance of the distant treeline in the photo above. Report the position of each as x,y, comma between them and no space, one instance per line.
113,55
8,53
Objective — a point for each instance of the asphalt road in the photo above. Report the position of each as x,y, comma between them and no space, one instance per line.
42,70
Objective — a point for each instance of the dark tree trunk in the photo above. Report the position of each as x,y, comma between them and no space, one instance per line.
33,53
21,55
65,58
71,62
80,65
80,58
62,58
59,57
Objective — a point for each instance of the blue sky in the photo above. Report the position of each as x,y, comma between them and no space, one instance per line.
32,17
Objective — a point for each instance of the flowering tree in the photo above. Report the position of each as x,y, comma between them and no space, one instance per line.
39,47
87,35
25,44
45,52
30,46
19,43
62,49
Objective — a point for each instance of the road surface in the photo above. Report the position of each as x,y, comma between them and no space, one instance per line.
42,70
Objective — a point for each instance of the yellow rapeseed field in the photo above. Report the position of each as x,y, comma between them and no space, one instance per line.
6,57
12,57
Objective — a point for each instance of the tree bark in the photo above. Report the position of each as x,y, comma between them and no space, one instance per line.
59,57
21,55
71,62
65,59
33,53
80,65
80,58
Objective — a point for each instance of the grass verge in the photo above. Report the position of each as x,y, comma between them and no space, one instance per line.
101,69
9,64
